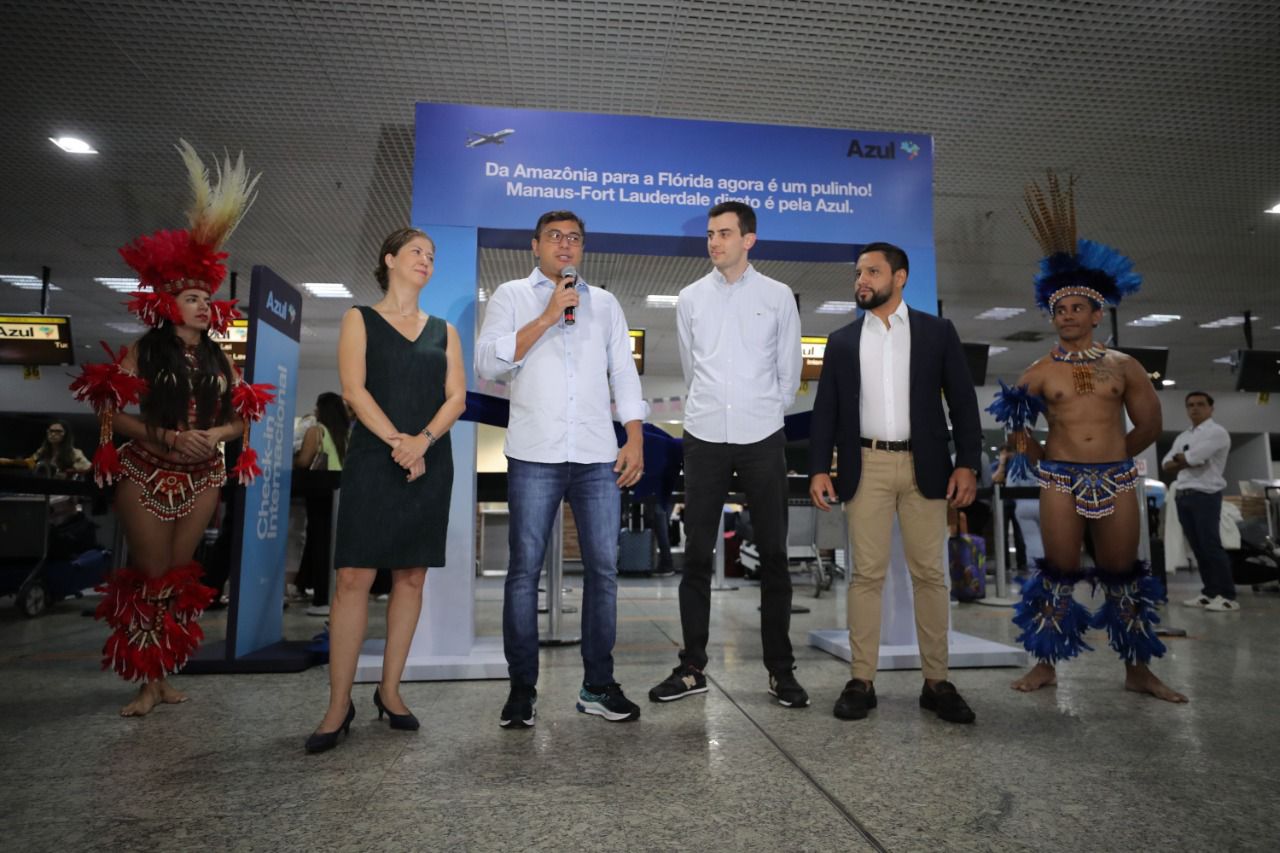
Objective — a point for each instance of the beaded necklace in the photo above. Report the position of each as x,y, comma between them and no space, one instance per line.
1081,369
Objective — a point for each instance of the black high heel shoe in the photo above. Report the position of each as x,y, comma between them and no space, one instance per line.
324,741
407,722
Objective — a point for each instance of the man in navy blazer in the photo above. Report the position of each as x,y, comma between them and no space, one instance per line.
879,406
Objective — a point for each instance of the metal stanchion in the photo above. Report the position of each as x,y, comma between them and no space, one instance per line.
1001,553
1144,554
553,570
717,583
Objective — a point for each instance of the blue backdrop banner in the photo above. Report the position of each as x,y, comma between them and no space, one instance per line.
498,168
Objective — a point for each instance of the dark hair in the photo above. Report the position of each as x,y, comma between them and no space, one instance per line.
170,385
896,257
66,452
746,216
396,241
332,412
558,216
1191,394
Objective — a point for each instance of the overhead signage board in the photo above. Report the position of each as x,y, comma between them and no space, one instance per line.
36,339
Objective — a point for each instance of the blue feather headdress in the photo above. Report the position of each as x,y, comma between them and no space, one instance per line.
1073,267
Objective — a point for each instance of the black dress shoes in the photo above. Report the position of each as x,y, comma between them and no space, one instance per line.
404,722
857,698
325,741
944,699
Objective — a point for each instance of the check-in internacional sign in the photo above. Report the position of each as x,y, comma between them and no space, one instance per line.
500,168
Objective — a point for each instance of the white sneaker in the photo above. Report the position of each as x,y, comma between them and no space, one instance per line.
1222,605
318,610
1198,601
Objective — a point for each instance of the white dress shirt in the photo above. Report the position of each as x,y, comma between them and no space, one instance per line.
740,353
560,406
1205,448
884,357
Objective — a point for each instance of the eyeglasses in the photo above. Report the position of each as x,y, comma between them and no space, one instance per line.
573,238
56,432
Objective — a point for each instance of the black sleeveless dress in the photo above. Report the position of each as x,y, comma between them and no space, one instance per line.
383,521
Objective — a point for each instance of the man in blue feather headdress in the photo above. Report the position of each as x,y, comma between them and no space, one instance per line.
1085,468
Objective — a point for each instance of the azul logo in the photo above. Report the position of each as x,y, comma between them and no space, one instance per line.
870,151
911,148
281,309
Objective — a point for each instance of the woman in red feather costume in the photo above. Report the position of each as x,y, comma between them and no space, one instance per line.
190,401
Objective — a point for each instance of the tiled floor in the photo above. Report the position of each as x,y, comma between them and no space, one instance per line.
1085,766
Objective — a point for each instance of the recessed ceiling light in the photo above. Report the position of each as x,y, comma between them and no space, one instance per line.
1154,320
26,282
327,289
835,307
73,145
1226,359
994,350
119,285
998,313
1167,382
658,300
1275,209
1227,322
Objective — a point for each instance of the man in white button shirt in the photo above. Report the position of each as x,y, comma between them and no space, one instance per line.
561,445
1198,456
879,403
740,352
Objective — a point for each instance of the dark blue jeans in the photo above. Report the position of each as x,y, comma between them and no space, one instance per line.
534,493
1199,514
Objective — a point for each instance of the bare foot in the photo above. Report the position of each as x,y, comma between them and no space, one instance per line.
169,694
148,697
1041,675
1140,679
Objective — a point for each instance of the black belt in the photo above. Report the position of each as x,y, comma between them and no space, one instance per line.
894,446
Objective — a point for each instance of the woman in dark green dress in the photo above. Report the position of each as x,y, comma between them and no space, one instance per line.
402,374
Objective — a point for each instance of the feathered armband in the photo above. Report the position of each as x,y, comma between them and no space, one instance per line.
250,403
1017,409
107,388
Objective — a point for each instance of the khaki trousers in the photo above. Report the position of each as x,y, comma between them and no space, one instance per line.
888,486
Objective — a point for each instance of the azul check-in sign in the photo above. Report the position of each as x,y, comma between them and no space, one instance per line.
500,168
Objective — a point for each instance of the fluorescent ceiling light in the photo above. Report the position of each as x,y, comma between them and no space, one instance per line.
1275,209
119,285
1227,322
1167,382
128,328
1226,359
998,313
835,307
327,289
1154,320
994,350
26,282
73,145
658,300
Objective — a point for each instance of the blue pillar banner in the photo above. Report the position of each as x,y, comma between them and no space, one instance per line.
275,327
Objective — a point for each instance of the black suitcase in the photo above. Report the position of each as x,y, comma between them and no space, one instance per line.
636,552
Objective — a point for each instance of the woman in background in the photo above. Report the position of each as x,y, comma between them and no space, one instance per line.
58,452
324,448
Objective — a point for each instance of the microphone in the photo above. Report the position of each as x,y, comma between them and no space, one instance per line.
572,272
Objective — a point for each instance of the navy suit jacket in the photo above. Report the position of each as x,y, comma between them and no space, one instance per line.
937,365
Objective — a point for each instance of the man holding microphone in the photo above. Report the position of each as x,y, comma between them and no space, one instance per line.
562,346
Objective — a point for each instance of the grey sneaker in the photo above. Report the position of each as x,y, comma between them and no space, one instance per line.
684,680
